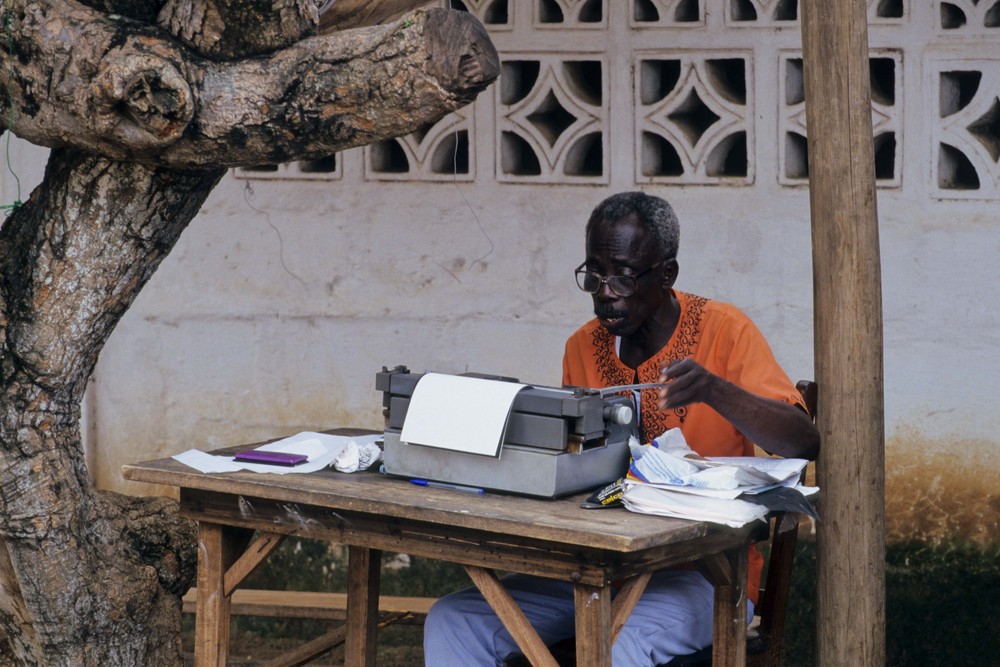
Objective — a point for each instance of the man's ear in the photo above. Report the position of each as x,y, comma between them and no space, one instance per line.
670,269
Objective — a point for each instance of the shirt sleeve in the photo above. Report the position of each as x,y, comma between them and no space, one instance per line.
752,366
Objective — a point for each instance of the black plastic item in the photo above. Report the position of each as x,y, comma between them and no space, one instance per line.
606,497
270,458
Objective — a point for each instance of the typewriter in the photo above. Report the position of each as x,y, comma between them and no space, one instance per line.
557,441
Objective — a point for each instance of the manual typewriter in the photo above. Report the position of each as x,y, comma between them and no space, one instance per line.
557,441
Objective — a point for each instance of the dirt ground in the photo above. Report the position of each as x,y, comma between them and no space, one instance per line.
398,647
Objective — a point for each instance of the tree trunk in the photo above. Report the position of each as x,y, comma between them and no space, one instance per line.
142,127
99,574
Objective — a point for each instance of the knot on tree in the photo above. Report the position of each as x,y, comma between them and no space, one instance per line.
463,58
142,101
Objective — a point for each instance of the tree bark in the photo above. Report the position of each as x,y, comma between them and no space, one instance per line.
96,572
347,14
143,120
217,29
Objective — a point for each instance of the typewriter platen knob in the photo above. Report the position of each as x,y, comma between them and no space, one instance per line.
618,413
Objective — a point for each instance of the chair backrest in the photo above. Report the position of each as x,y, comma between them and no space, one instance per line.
810,394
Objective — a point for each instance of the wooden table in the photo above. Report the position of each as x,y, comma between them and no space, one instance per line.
243,516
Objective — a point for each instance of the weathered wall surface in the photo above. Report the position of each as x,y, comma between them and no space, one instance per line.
293,287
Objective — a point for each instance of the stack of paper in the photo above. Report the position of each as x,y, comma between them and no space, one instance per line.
668,478
658,500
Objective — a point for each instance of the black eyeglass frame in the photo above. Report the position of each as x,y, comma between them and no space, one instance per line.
581,275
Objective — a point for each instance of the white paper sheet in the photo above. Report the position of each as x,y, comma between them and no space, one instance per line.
321,448
459,413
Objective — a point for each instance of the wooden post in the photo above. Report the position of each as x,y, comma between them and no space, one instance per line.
848,334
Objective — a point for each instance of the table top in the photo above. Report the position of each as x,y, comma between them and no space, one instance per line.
560,520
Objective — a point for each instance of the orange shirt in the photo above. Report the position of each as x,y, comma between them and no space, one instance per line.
720,338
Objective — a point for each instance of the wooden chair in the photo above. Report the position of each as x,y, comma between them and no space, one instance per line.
764,639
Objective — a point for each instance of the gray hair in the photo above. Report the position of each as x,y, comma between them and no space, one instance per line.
656,214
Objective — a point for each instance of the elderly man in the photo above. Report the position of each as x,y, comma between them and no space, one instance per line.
725,392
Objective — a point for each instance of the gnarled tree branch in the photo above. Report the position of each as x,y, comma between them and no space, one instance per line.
137,95
347,14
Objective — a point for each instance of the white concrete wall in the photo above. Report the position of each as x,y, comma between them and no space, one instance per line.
279,305
262,324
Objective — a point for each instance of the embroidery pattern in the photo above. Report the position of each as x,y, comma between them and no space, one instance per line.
612,373
654,420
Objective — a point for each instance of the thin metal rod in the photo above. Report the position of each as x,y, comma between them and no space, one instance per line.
630,387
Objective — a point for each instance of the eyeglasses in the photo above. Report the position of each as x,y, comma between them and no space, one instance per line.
623,286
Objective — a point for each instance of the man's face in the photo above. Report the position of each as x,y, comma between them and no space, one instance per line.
625,249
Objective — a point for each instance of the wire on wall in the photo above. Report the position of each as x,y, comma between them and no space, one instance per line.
10,208
454,160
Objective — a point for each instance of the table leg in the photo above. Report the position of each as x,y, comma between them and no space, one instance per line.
625,601
218,547
593,625
363,577
729,644
517,624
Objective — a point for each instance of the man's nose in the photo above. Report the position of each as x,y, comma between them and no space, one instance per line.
604,292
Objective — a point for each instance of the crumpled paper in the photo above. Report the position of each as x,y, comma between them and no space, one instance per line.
357,456
670,461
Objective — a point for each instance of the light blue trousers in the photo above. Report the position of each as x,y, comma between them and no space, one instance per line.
673,617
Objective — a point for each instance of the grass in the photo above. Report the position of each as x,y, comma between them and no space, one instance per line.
941,606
